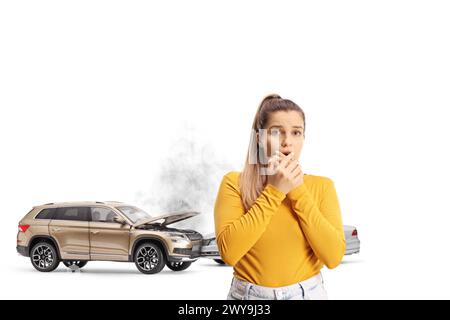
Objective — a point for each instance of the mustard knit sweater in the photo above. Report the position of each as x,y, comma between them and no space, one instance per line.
282,239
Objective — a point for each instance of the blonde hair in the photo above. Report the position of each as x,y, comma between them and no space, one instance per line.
252,181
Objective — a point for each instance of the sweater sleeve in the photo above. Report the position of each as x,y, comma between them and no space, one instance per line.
322,225
236,230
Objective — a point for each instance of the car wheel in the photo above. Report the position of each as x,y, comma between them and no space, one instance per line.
80,264
219,261
44,257
178,265
149,258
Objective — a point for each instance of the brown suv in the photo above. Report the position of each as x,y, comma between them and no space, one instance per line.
78,232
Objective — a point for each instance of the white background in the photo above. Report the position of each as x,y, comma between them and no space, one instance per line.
100,100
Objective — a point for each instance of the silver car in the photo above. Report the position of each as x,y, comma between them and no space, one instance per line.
210,250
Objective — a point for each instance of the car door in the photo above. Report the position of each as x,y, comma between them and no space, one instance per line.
70,228
109,240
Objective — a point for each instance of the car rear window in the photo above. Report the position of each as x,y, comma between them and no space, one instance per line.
72,213
46,214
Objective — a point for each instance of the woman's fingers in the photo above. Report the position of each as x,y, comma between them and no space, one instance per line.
287,160
273,164
294,168
298,175
292,165
297,171
288,164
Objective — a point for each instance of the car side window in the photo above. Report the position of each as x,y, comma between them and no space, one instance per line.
72,213
46,214
102,214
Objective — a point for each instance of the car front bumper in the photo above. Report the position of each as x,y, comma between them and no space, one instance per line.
210,252
186,254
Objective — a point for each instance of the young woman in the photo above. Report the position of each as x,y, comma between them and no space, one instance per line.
275,225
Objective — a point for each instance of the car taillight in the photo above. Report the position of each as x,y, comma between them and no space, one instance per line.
23,227
354,233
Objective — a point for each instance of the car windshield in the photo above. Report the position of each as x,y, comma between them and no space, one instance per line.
134,214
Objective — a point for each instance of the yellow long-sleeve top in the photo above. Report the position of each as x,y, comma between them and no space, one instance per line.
282,239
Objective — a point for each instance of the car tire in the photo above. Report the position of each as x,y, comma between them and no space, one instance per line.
178,265
44,257
149,258
80,264
219,261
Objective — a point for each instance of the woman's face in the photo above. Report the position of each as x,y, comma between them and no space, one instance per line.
285,132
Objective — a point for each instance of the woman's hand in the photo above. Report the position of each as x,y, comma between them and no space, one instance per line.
288,173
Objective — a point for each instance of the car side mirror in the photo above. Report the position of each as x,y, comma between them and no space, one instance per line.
119,220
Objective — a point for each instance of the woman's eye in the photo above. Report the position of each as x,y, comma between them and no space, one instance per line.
298,133
274,132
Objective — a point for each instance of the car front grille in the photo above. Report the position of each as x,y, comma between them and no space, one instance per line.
182,251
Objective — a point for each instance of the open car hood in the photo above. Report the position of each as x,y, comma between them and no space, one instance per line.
167,218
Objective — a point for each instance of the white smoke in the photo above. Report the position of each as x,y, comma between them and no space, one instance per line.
187,179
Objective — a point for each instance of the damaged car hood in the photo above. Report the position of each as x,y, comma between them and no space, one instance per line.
167,218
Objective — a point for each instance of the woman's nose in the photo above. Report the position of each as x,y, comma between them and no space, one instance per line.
286,141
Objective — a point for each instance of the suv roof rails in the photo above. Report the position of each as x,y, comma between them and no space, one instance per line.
47,204
99,202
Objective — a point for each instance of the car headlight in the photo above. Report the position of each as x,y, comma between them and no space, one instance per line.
178,237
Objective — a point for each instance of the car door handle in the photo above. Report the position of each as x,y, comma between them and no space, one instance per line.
56,229
95,232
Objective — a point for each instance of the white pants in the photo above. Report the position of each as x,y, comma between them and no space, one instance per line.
309,289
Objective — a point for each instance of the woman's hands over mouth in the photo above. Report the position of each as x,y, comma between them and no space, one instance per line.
286,174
